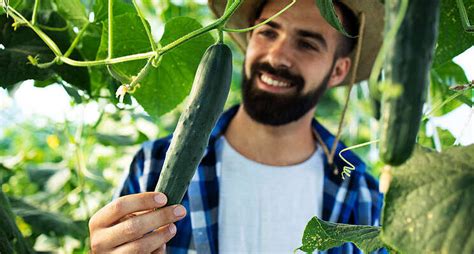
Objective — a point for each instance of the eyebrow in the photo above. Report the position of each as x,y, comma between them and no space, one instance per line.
301,32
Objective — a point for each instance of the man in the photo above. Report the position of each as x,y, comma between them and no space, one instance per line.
264,174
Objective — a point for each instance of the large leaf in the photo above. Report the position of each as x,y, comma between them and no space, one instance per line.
429,206
442,78
11,240
119,8
73,11
452,39
328,12
322,235
166,86
23,42
46,222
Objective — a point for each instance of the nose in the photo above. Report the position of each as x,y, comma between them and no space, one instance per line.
279,54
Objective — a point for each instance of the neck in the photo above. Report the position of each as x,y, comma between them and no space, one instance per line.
283,145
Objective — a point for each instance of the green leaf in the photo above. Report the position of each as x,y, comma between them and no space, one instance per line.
11,239
73,93
114,140
326,7
163,88
428,208
23,42
119,8
322,235
44,222
73,11
446,75
452,39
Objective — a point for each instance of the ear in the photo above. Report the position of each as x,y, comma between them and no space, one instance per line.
342,66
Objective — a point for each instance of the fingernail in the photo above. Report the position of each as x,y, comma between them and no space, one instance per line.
172,228
179,211
160,199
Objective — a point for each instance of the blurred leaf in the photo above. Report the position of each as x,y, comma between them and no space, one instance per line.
44,222
446,138
442,78
322,235
452,39
73,11
119,8
115,140
57,181
73,93
11,240
429,205
166,86
40,176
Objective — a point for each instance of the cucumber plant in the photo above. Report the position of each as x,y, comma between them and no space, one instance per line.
68,44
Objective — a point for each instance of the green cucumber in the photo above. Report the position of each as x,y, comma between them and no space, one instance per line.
190,139
407,72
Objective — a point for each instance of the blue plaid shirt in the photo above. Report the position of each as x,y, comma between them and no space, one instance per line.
355,200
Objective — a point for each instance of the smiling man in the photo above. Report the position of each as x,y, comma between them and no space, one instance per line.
264,175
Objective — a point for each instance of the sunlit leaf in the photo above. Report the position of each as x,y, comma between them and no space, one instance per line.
322,235
429,205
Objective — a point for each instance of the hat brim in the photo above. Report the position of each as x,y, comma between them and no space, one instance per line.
371,41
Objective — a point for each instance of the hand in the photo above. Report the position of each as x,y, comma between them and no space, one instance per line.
133,224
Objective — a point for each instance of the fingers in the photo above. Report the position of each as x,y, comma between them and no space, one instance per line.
153,242
138,226
161,250
126,205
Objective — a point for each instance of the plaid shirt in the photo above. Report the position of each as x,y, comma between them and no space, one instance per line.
355,200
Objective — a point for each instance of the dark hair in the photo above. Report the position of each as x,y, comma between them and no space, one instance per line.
351,25
349,22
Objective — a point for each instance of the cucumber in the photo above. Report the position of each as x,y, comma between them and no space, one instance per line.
407,70
208,95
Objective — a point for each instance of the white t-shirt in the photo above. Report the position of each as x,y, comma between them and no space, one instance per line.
264,209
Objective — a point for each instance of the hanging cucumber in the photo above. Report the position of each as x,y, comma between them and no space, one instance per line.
206,102
407,79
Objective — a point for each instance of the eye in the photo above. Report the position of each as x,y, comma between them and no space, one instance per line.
268,33
307,46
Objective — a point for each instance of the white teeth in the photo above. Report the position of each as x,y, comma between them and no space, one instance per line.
273,82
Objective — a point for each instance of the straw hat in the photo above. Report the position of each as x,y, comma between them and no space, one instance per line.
372,39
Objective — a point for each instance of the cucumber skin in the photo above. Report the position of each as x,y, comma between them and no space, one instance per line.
410,64
205,104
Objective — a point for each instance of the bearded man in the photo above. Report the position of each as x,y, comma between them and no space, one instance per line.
264,174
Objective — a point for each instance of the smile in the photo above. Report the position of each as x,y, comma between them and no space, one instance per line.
273,84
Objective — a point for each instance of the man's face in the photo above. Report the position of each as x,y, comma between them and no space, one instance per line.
289,63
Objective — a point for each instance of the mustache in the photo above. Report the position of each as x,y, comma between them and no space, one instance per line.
294,79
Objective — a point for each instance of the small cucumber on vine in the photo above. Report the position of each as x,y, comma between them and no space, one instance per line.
118,75
407,73
208,95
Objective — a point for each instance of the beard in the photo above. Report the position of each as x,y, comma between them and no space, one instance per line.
279,109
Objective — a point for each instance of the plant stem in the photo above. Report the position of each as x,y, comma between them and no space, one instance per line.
121,59
141,75
76,40
202,30
35,11
244,30
352,80
464,17
147,30
54,29
50,43
110,12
